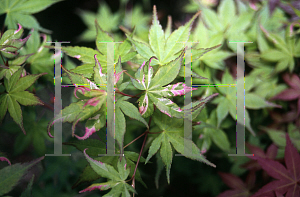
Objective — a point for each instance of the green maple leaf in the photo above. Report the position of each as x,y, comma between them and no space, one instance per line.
165,48
12,174
96,147
227,101
227,24
136,18
207,38
172,133
116,178
86,55
210,133
83,109
42,59
35,135
16,95
19,11
284,52
109,21
11,42
154,93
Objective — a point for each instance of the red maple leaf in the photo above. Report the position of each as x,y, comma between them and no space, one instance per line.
292,93
238,187
288,176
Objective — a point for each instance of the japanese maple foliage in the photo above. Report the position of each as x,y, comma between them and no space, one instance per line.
288,176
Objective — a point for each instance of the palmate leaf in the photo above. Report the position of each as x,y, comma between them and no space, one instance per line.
20,12
227,103
287,176
172,131
225,25
210,133
41,59
165,49
96,147
155,93
103,13
87,55
117,183
11,42
15,88
11,175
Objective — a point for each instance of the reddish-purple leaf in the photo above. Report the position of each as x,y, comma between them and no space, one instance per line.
272,5
274,168
232,181
250,180
298,110
292,159
289,177
272,151
258,152
292,81
235,193
278,194
288,95
268,190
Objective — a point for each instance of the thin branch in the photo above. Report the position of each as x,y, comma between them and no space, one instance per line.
134,140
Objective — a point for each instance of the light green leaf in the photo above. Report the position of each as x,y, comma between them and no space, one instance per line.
32,6
13,79
94,147
101,39
273,55
3,106
156,36
11,175
175,41
123,169
166,154
120,126
220,139
103,169
226,11
211,19
25,82
69,113
282,65
168,30
222,110
84,54
253,101
178,143
166,106
166,74
278,137
130,110
155,145
142,48
15,112
79,79
25,98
